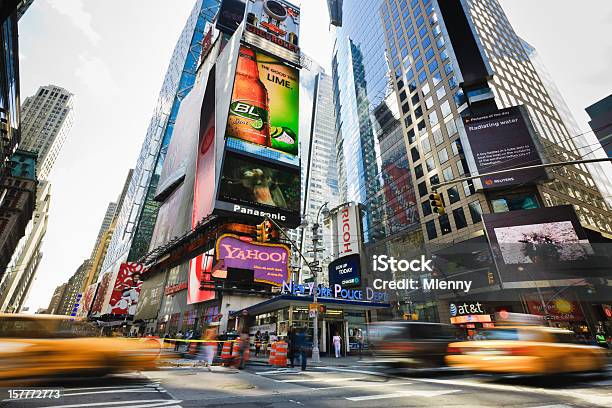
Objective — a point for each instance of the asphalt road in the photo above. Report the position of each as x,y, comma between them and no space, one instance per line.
355,386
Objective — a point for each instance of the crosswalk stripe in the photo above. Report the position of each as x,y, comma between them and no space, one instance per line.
322,379
363,386
399,394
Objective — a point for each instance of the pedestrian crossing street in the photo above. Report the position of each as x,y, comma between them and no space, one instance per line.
367,384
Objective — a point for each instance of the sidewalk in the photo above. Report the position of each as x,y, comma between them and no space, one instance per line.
263,361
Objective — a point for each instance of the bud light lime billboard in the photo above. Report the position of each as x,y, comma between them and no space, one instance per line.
264,111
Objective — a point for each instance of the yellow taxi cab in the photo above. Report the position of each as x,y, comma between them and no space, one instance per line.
34,346
524,349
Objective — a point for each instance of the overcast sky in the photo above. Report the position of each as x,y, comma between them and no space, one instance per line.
113,55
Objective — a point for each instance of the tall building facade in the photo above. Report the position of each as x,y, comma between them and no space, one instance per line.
9,84
46,120
56,298
138,213
17,203
24,263
109,215
373,165
601,122
73,290
425,77
321,172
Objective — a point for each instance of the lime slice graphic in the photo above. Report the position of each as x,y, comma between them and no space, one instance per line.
257,124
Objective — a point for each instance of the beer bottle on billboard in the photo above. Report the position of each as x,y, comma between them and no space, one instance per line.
248,117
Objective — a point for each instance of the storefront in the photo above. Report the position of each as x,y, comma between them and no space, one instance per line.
342,316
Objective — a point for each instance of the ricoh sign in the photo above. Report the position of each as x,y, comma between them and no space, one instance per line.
348,236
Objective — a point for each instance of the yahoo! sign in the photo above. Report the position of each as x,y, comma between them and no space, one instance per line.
270,262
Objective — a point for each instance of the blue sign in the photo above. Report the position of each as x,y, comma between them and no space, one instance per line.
345,271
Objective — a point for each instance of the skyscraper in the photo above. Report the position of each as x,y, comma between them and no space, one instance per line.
14,287
425,75
46,120
138,213
321,173
601,122
109,215
372,158
73,290
9,84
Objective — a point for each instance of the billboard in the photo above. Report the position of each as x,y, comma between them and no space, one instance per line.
200,269
558,308
150,297
230,15
345,271
346,222
257,188
538,244
125,289
98,303
264,109
269,262
273,25
500,141
87,300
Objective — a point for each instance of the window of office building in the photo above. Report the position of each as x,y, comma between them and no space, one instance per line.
459,216
445,226
430,226
475,211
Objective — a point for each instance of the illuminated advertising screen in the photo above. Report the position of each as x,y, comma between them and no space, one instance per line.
500,141
538,244
269,262
273,25
126,288
345,271
200,269
231,14
264,111
257,188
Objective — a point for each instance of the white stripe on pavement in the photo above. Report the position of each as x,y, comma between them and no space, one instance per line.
411,393
363,385
150,403
108,388
553,406
322,379
129,390
595,399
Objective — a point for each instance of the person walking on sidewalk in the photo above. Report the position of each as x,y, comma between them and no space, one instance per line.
302,345
177,342
337,340
257,343
360,340
291,350
210,348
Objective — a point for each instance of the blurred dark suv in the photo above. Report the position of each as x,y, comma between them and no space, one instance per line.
410,344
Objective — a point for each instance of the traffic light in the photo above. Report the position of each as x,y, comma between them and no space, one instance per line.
264,231
437,205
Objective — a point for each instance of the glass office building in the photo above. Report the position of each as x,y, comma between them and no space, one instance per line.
138,213
431,100
372,157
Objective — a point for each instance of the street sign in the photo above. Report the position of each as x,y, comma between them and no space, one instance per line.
316,269
314,263
312,313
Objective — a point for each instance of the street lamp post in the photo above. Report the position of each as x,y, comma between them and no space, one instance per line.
315,240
